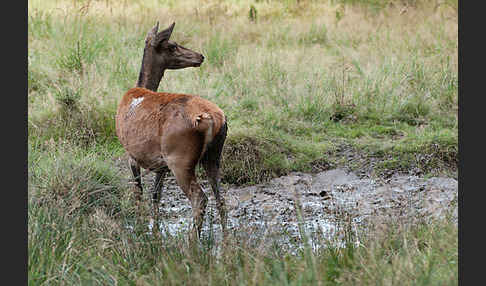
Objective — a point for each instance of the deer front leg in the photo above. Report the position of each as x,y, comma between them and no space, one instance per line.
156,192
137,179
158,184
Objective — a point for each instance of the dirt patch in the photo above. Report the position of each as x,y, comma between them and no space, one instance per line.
327,201
342,194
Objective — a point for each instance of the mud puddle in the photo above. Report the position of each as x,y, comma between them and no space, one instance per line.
325,206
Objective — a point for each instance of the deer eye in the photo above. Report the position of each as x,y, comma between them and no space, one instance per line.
172,48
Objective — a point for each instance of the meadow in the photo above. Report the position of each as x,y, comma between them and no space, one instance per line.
299,82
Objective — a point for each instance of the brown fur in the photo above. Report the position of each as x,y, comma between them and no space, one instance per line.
142,129
167,130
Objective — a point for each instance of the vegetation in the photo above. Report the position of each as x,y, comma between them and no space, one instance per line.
298,80
300,76
70,247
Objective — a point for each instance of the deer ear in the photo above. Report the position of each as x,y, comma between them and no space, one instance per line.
163,35
152,33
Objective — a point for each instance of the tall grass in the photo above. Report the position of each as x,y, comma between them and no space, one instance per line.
94,246
290,75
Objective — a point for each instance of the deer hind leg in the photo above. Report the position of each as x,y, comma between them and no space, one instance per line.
199,201
181,148
137,178
212,172
186,179
211,164
182,145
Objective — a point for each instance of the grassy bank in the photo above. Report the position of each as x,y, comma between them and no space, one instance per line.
298,81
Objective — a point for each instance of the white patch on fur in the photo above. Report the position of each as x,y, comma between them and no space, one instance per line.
135,102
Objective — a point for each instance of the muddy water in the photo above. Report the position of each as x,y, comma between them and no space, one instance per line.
327,203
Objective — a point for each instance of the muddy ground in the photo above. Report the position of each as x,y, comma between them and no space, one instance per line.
331,201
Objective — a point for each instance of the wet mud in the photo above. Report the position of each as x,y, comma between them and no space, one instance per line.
321,205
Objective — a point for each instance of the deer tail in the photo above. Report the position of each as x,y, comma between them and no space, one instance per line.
204,123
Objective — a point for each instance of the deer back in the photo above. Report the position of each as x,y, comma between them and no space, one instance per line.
144,116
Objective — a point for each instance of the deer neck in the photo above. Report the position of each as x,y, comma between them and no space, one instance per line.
150,76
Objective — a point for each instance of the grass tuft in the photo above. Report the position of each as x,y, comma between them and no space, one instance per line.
72,178
249,159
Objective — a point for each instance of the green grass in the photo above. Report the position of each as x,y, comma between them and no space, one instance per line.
297,78
299,82
91,245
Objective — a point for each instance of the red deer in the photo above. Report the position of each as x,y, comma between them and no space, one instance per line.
169,131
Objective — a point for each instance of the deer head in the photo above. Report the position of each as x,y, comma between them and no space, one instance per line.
160,53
